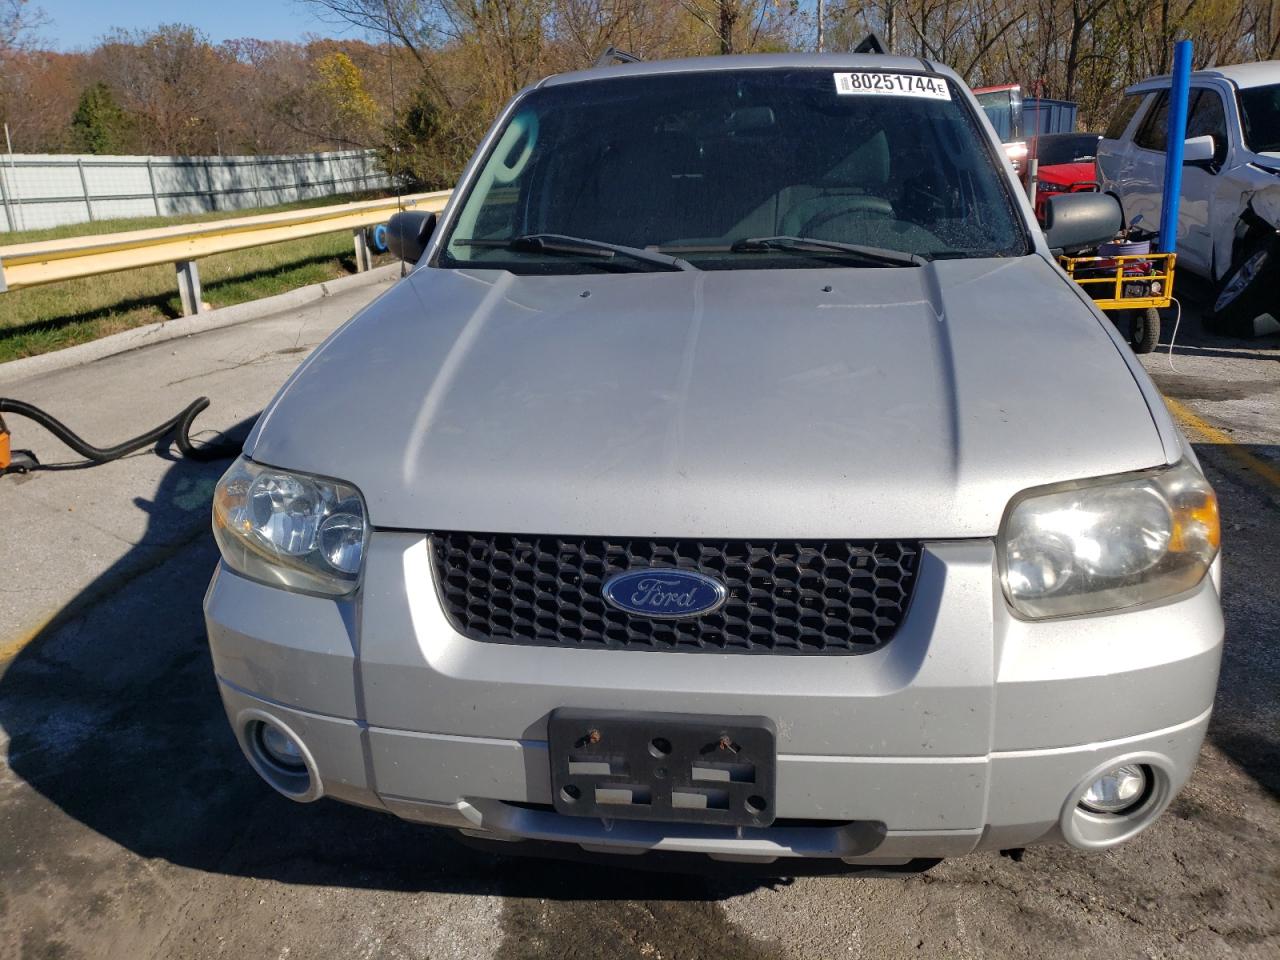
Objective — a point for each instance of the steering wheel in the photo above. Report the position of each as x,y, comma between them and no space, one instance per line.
858,208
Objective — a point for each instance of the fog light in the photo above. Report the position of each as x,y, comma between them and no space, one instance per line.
280,748
1116,790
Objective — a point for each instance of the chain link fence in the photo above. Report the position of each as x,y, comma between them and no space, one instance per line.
49,190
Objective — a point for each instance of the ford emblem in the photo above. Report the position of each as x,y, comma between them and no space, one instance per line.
664,593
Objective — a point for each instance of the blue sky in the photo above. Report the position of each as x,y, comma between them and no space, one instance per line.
79,23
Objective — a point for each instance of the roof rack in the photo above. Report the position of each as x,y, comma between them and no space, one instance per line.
871,43
614,55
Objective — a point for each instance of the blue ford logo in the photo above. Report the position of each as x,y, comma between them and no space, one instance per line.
658,592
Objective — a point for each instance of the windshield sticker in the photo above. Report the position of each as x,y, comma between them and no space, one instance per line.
892,85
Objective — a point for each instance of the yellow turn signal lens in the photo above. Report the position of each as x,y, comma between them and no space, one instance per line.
1197,525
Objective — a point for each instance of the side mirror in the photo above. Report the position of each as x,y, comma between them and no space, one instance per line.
1075,220
408,234
1198,151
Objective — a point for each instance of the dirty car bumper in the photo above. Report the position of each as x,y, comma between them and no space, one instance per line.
970,730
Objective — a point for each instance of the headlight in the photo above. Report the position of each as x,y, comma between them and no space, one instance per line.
1105,544
289,529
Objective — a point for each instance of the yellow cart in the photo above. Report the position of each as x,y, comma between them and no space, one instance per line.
1137,285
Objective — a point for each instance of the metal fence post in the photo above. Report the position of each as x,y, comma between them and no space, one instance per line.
8,210
364,256
255,164
208,182
84,185
151,179
15,196
189,287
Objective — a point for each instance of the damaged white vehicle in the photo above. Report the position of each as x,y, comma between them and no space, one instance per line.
1229,217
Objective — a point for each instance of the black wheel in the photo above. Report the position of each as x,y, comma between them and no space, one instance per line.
1249,294
1144,329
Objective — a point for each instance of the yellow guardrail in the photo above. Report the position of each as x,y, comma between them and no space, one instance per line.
1125,282
50,261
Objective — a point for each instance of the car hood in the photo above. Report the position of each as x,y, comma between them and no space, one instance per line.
891,402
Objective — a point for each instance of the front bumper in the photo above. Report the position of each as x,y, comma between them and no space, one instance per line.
970,730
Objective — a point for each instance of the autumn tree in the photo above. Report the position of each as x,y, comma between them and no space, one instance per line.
18,23
256,76
581,30
426,77
740,26
330,104
166,80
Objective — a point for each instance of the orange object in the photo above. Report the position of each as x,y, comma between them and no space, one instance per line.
6,455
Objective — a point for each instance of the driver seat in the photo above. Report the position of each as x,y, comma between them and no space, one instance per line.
852,188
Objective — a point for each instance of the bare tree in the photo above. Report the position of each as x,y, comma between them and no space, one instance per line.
18,23
736,26
1261,28
167,80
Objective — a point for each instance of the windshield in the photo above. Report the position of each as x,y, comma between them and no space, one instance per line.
692,165
1260,116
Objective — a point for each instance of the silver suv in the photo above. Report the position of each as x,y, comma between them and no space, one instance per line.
738,476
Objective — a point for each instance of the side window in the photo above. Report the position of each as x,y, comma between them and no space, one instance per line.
1208,119
1124,113
1154,131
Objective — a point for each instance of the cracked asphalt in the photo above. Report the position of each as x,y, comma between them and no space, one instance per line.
130,827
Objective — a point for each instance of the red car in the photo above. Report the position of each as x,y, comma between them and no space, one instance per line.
1066,165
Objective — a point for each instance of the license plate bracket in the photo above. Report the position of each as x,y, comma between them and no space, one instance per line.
675,767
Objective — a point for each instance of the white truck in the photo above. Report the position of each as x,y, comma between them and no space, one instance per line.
1229,216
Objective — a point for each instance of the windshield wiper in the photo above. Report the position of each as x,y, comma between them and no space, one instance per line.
876,255
558,243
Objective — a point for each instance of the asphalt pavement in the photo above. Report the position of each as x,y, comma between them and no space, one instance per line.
131,827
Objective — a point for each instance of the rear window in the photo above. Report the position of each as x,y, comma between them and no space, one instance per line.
1072,148
1124,113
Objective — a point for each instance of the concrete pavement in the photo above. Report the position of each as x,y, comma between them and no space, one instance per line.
78,523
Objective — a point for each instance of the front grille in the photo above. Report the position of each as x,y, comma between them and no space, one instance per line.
784,596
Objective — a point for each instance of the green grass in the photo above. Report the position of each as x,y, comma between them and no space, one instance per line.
40,319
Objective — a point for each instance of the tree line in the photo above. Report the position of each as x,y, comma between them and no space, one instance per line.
428,75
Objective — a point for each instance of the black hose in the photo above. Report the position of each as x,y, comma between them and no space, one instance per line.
179,426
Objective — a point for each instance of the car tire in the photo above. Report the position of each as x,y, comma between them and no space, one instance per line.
1144,329
1247,303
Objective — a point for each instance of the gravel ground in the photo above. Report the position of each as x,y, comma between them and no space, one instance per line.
130,826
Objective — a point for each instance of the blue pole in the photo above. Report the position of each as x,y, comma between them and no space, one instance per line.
1178,95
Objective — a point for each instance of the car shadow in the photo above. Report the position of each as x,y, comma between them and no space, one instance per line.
1246,718
1246,721
1225,352
1184,327
113,716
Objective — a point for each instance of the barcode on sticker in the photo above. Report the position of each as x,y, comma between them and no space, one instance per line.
892,85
